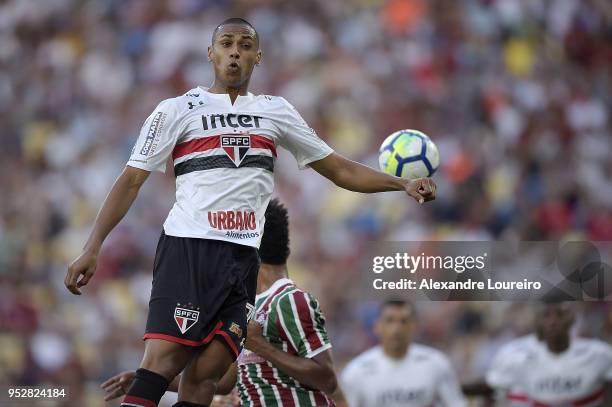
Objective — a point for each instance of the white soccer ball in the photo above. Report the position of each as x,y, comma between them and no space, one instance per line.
409,154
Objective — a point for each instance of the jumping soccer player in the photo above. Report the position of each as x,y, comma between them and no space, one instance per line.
400,373
556,370
222,141
288,357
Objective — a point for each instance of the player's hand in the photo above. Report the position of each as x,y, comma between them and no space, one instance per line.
118,385
421,189
254,336
85,266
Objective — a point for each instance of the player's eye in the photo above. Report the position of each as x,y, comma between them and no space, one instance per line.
246,46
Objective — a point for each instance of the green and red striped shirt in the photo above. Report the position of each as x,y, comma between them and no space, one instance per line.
293,322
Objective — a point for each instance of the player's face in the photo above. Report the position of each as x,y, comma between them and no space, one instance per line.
554,321
234,53
395,326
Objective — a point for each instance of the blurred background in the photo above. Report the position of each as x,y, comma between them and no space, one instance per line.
516,94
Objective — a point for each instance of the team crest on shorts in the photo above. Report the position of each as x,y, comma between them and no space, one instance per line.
185,318
236,147
235,329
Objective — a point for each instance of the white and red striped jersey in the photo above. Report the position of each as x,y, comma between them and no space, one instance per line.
573,378
293,322
223,156
424,377
501,366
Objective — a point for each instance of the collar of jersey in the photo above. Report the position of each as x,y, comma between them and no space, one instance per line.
225,96
275,286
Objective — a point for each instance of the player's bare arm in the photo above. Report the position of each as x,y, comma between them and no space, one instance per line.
115,206
316,372
357,177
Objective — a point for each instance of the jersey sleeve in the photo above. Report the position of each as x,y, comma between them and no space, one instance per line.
157,138
503,372
303,323
300,139
447,386
350,382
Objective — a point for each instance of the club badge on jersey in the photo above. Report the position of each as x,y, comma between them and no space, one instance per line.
236,147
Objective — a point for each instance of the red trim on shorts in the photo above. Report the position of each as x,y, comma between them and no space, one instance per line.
184,341
210,142
229,341
139,400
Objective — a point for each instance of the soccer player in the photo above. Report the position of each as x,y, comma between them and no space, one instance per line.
556,370
288,358
223,142
399,373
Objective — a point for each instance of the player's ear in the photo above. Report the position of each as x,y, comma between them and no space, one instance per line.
258,58
209,53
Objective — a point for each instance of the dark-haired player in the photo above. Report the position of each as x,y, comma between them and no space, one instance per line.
399,373
556,370
287,360
222,141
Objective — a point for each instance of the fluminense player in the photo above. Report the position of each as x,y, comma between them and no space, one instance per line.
287,360
557,370
223,142
398,373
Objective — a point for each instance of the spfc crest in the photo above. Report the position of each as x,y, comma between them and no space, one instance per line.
185,318
236,147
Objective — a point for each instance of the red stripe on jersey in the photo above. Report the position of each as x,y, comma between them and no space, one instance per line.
266,304
306,320
576,403
284,392
211,142
250,387
139,401
263,142
517,397
589,399
320,399
199,144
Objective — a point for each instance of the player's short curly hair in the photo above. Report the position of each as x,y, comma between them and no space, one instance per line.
274,248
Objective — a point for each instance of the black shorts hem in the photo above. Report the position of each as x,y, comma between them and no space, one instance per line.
187,342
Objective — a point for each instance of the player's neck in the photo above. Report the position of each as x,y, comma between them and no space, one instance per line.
558,345
395,353
269,274
233,93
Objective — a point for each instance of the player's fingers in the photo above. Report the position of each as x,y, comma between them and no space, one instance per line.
112,388
118,392
86,276
71,279
418,197
110,381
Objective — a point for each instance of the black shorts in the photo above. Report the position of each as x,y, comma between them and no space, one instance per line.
202,288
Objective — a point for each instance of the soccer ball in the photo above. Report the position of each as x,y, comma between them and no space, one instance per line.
408,154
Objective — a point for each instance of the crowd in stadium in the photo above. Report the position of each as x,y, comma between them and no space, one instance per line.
515,94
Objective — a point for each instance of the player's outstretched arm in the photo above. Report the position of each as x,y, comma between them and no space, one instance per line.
115,206
357,177
316,372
